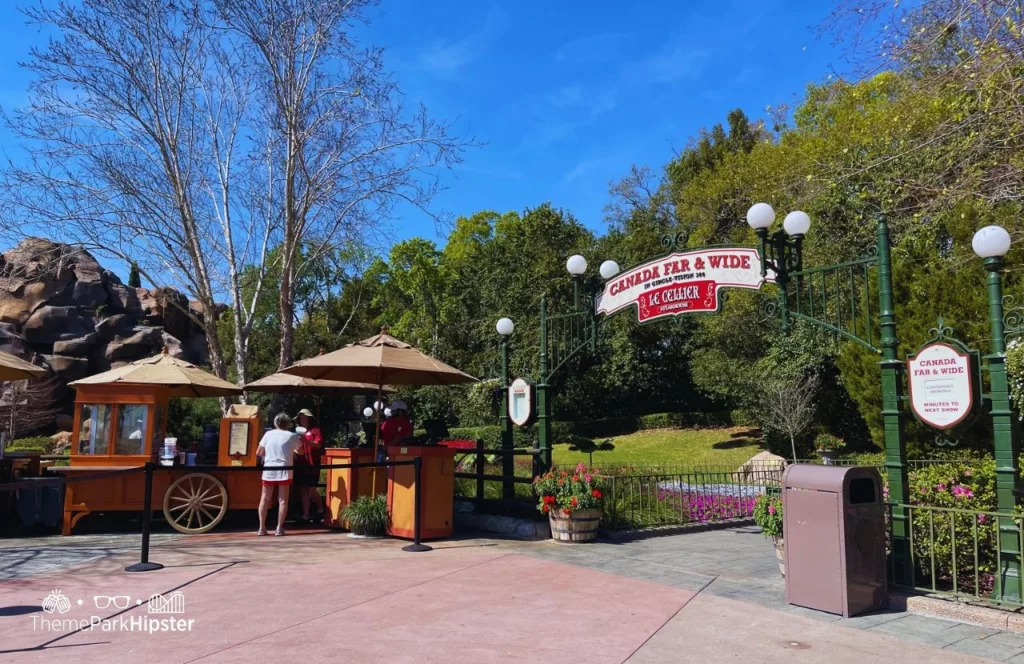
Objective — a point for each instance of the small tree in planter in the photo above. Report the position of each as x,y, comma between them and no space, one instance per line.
367,517
827,445
572,501
768,515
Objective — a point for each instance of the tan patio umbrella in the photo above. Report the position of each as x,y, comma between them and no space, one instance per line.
13,367
182,378
381,360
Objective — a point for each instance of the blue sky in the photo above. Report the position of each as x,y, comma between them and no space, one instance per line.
568,94
565,95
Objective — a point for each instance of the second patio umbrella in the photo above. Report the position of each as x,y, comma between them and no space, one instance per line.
282,383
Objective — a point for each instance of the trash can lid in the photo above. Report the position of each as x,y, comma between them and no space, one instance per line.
811,477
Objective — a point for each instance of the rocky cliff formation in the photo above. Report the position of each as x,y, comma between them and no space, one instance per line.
59,308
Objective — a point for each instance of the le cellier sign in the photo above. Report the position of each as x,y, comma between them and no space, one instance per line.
682,283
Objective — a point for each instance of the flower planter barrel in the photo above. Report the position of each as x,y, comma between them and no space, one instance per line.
780,554
578,526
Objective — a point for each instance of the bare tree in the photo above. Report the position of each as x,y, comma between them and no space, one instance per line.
789,404
132,134
345,150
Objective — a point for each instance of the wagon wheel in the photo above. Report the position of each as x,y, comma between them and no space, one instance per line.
195,503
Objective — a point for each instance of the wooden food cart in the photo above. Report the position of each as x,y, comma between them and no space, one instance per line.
120,424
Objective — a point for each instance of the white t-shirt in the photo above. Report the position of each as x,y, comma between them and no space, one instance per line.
278,450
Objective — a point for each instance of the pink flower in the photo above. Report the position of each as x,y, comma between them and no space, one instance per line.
924,489
982,518
587,478
771,509
967,473
940,487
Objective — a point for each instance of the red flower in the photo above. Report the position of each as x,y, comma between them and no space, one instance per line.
561,482
596,493
549,499
575,478
573,501
545,509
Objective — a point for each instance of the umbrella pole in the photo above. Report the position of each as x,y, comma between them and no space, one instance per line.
376,436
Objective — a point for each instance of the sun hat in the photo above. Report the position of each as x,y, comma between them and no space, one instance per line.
304,411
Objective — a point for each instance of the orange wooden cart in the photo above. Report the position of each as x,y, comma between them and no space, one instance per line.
121,425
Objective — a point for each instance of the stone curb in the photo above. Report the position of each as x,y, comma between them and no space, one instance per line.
512,527
950,609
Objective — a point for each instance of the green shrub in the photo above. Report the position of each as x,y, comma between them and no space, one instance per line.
39,444
367,516
826,442
963,485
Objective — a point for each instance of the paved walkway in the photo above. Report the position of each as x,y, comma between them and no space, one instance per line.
739,564
325,597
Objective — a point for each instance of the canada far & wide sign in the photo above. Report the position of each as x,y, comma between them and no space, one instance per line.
682,283
942,388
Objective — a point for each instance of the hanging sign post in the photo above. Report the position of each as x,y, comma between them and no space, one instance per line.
942,385
682,283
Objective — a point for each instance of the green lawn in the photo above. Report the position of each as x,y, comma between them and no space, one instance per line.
679,447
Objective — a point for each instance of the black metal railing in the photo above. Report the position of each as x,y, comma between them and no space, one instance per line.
682,499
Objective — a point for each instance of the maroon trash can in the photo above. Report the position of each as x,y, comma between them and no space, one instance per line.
833,522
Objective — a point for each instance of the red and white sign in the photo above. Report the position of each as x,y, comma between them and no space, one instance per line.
682,283
941,391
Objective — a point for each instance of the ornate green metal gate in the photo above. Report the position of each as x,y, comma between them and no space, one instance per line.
839,299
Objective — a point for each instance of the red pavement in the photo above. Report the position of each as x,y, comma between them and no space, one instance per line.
325,598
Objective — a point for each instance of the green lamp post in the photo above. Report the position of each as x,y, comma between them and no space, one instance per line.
505,326
782,253
991,244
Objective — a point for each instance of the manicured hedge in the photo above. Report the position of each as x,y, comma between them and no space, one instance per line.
614,426
604,427
491,435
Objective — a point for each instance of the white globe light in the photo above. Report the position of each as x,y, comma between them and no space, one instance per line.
609,269
505,326
576,265
797,223
367,412
991,241
377,405
760,215
387,412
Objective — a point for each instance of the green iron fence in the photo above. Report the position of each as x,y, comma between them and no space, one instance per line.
956,552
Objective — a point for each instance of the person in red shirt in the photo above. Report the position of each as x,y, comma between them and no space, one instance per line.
307,460
398,427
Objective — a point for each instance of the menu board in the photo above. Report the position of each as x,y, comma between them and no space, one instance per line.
520,402
238,440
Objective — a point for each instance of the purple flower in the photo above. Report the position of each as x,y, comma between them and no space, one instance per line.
982,518
940,487
924,489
